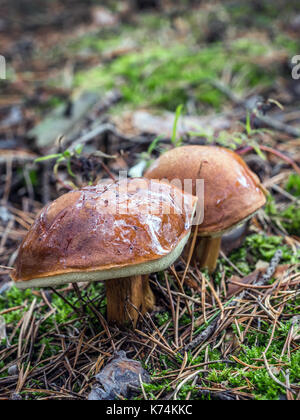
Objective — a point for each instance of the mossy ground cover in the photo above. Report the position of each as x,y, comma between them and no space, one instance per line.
170,60
165,78
241,371
254,380
168,73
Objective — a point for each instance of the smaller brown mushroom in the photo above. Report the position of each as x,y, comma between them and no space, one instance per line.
232,192
118,233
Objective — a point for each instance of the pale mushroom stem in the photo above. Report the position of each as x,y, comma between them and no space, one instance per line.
207,252
127,297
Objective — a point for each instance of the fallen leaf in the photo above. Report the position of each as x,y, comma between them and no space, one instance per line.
58,123
142,121
234,289
120,377
103,17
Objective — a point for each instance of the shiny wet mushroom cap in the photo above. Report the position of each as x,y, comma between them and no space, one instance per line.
118,233
232,192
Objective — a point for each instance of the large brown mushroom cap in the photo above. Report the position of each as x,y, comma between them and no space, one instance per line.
103,232
232,191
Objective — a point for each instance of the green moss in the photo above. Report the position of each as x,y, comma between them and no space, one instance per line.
288,43
293,185
264,247
291,220
162,318
263,386
63,314
165,77
289,217
256,382
167,69
258,247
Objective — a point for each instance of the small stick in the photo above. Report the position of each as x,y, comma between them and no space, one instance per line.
182,290
203,297
280,155
172,310
273,376
66,301
271,269
142,387
78,293
188,378
204,336
6,268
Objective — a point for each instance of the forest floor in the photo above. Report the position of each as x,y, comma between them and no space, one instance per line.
91,91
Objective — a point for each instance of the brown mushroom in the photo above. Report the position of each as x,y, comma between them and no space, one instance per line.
118,233
232,192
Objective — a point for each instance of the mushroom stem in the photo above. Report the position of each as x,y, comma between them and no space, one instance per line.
149,299
127,297
207,252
